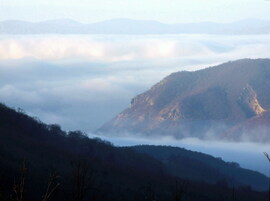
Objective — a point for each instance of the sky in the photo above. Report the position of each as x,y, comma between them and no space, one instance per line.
167,11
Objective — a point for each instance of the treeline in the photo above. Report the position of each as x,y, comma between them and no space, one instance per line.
69,166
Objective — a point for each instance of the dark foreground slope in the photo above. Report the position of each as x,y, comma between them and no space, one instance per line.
90,169
193,165
204,104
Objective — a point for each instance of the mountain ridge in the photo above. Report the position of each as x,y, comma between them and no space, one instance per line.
192,103
132,26
178,160
113,173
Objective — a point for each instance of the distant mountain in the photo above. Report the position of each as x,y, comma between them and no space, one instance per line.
128,26
205,103
96,170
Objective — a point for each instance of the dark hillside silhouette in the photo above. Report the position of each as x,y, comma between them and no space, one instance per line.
79,168
202,167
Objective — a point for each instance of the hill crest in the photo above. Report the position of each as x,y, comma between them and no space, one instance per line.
193,103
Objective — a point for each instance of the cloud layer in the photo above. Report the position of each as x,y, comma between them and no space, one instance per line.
248,155
82,81
127,48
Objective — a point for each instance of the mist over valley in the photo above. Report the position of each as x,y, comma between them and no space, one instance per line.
134,101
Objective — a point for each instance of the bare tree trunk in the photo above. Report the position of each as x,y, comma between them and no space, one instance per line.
52,186
81,176
19,188
179,191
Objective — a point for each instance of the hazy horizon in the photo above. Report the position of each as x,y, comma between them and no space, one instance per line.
76,67
81,81
135,19
163,11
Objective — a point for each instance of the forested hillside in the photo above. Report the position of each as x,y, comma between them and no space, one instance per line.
90,169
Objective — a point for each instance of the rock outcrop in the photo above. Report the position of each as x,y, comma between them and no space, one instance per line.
202,103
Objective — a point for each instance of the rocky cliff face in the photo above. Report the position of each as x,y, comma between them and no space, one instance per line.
249,103
199,103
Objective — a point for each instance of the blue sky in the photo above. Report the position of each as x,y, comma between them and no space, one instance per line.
169,11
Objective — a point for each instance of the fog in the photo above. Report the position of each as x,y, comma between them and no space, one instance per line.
110,48
249,155
82,81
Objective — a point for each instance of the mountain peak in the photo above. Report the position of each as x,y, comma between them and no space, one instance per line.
191,104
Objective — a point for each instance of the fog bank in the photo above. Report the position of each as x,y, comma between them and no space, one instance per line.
249,155
82,81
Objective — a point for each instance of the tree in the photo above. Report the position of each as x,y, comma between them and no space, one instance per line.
19,187
83,180
179,190
51,187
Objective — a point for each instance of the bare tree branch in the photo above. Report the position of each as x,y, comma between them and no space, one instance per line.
52,186
267,156
19,188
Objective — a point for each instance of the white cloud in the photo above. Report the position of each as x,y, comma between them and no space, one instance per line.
83,81
80,82
121,48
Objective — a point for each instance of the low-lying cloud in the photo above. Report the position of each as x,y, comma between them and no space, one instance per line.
80,82
249,155
126,48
